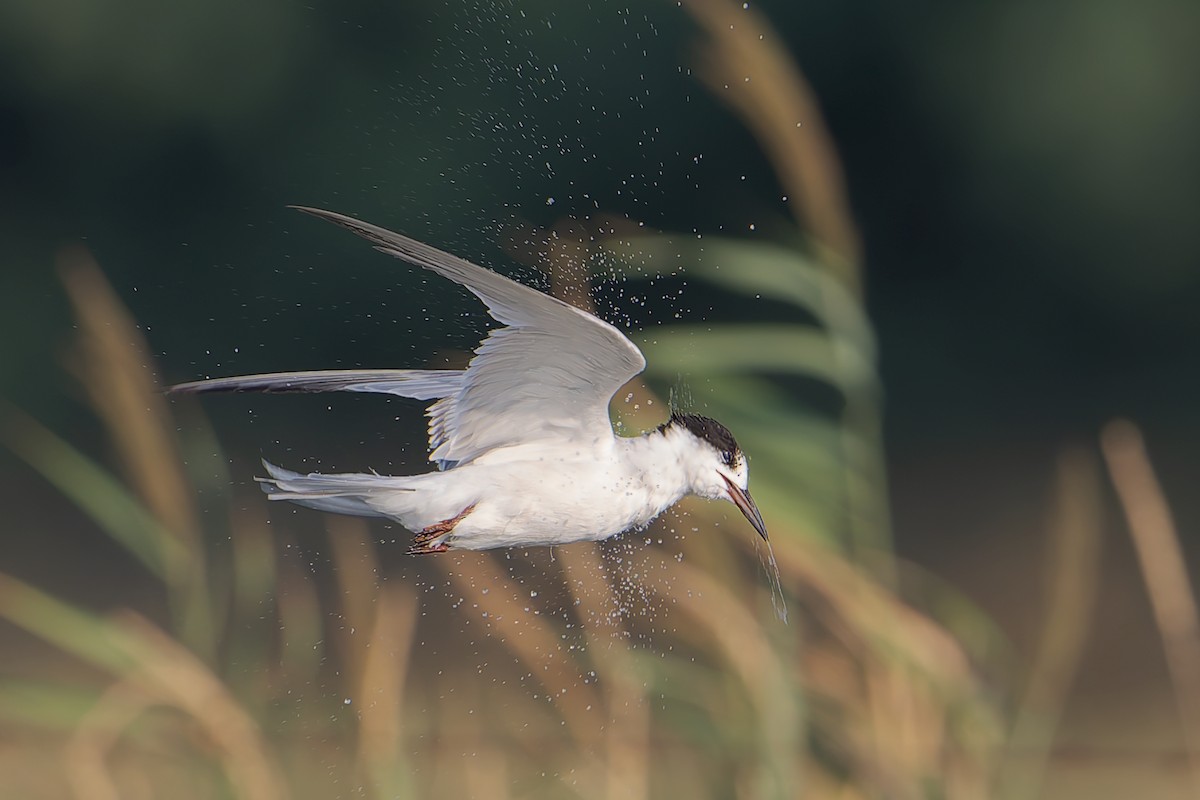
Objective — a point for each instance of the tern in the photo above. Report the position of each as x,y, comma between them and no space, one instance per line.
525,449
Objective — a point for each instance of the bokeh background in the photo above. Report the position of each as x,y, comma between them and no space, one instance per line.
918,258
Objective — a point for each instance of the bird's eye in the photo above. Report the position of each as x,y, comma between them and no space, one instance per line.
727,456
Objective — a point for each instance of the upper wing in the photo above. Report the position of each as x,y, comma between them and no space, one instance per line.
549,374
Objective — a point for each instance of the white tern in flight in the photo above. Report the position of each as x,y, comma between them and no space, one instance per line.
525,449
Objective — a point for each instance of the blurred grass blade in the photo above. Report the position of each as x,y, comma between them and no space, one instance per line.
177,677
1164,570
1071,577
380,698
86,755
301,623
42,705
627,731
91,488
780,108
747,651
132,647
90,638
752,269
784,349
530,638
356,570
114,367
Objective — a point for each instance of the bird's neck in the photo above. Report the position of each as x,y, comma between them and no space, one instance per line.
660,462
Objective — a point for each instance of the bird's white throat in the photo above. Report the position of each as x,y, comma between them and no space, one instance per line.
670,463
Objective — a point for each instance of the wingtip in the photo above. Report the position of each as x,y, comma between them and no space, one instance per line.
374,233
191,387
207,386
321,213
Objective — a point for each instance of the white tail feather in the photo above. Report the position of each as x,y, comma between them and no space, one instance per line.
348,493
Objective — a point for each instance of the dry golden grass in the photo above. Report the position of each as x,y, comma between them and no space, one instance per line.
1164,570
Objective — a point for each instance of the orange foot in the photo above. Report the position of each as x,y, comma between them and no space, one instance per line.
423,543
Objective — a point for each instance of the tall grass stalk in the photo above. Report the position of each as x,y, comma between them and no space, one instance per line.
1164,569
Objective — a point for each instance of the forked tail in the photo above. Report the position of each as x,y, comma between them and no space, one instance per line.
349,493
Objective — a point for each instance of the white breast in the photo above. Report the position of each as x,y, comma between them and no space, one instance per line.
556,500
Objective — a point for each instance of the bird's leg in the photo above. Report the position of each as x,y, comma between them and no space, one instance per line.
423,542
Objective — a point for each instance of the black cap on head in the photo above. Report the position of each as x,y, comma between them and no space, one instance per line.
710,431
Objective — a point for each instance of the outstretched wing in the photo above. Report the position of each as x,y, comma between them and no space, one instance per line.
550,373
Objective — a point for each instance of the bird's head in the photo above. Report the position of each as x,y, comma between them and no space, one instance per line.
716,466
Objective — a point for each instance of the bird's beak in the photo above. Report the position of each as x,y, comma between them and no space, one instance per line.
745,503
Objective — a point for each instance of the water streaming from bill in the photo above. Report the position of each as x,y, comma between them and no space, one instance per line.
771,570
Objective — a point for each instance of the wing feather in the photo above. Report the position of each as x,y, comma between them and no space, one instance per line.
418,384
549,374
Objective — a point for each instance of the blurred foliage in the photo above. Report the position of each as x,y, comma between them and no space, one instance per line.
665,674
1022,174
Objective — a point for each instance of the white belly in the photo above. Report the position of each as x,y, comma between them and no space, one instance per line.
524,503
